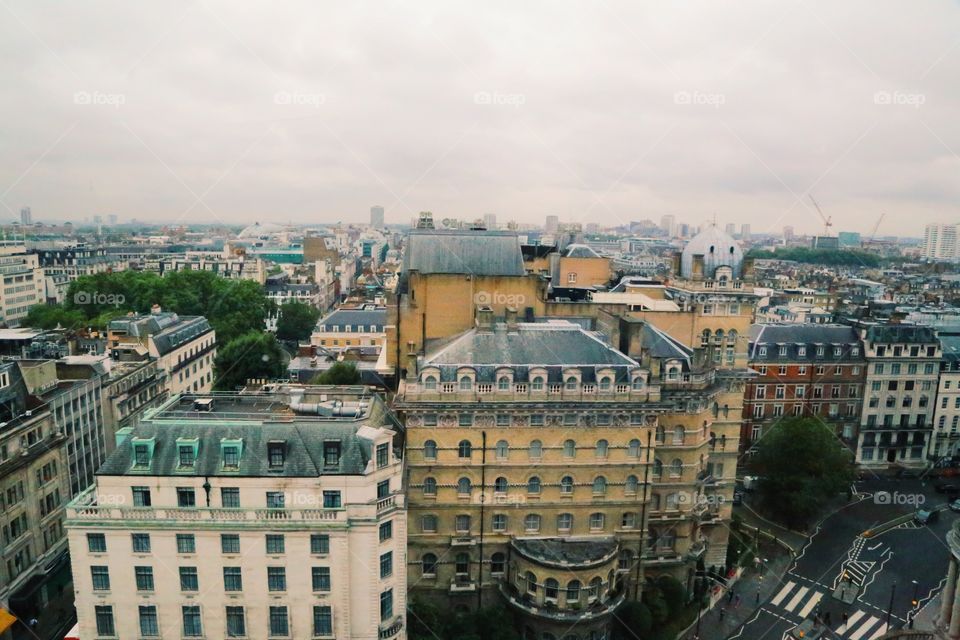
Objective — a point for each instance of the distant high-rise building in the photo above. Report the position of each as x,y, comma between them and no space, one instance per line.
552,224
668,224
97,219
744,232
112,218
940,242
26,217
848,239
490,220
376,217
731,229
788,233
591,227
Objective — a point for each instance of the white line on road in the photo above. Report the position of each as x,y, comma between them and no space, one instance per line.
882,630
790,606
783,592
856,616
866,626
811,603
875,547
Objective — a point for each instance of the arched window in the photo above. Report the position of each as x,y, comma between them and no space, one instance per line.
599,485
573,591
676,468
537,383
566,485
705,338
500,485
625,561
536,449
660,434
462,563
602,447
633,448
463,486
533,485
551,589
571,384
498,562
630,486
605,383
429,486
531,580
503,383
430,383
595,585
465,449
564,522
678,434
657,468
502,449
638,383
466,383
429,564
430,450
569,449
718,337
531,522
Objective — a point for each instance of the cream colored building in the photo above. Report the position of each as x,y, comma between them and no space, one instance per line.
22,280
275,515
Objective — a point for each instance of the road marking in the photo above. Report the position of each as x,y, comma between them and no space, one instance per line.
783,592
852,619
864,628
875,547
790,606
882,630
811,603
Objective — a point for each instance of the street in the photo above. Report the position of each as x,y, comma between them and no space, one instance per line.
839,573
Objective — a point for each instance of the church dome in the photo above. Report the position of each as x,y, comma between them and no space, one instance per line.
717,249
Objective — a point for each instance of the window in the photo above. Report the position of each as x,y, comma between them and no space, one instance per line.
536,450
386,530
148,621
275,543
503,419
231,457
629,520
498,562
279,622
320,578
596,521
188,579
430,383
531,522
500,485
191,621
101,578
503,383
676,468
186,497
322,621
230,543
141,496
141,542
141,455
631,484
276,452
186,543
466,383
428,524
276,578
104,616
678,434
564,522
429,486
331,499
230,497
96,543
144,578
383,489
657,468
602,447
430,450
383,455
236,623
569,449
232,579
573,591
551,589
599,485
464,449
633,448
319,544
537,384
462,523
533,485
187,456
499,522
428,564
463,486
566,485
386,605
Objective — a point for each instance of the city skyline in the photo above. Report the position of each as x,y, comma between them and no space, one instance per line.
199,114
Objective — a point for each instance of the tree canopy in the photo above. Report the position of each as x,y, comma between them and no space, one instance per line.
802,465
427,621
339,373
833,257
255,354
296,321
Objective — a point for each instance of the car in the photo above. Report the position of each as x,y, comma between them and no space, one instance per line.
955,506
908,473
738,497
925,516
948,488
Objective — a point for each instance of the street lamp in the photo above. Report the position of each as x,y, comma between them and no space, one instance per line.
914,602
893,590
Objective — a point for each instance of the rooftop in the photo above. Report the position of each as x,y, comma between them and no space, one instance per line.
490,253
566,552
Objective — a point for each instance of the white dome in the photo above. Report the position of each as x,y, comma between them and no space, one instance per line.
718,250
256,229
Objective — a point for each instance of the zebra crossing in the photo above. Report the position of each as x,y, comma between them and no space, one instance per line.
803,602
855,571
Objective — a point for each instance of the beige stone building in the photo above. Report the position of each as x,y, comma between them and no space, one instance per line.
268,515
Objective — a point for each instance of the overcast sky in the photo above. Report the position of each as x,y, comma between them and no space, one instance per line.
594,111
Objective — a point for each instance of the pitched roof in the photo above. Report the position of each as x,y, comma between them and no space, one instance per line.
491,253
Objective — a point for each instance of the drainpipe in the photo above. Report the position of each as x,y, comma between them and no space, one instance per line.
643,516
483,501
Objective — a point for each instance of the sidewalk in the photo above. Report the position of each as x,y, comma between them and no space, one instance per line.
795,539
712,627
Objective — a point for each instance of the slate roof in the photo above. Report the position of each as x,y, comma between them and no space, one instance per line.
168,330
901,334
304,449
566,551
488,253
353,318
809,335
662,345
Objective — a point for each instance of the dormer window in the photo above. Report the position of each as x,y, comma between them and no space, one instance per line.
331,454
230,452
503,383
142,452
571,384
187,452
430,383
466,383
276,454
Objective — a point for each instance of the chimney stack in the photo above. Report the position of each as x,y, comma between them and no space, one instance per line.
511,317
411,361
484,319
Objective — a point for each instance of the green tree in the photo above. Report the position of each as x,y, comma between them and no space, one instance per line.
296,321
44,316
254,354
633,620
802,465
673,592
339,373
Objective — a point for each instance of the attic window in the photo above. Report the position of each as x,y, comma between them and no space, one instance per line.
187,452
142,452
331,454
230,452
276,453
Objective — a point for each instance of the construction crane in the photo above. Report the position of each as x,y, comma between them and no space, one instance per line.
873,234
826,220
